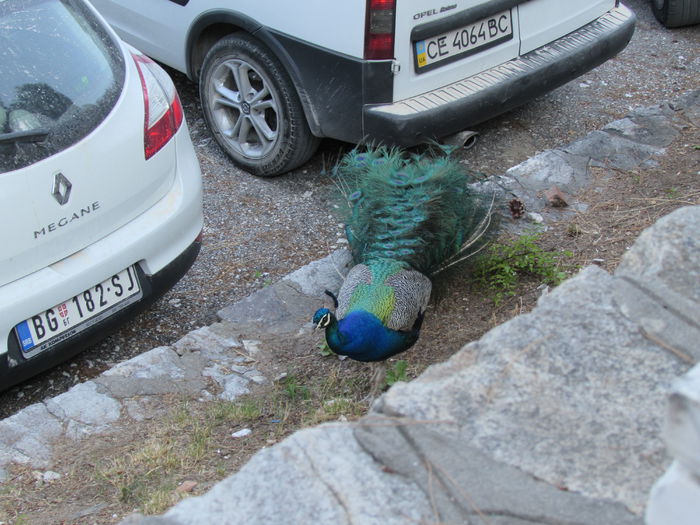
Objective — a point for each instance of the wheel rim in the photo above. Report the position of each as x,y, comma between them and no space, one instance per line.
244,108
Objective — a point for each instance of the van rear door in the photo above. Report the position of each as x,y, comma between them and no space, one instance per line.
437,44
440,44
542,21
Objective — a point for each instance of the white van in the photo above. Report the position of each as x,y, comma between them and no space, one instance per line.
275,76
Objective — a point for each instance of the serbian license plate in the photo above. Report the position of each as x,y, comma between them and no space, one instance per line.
455,44
48,328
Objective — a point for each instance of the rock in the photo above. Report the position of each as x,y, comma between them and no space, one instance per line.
27,436
213,342
535,217
682,428
158,371
85,409
46,477
558,394
556,197
552,167
659,283
612,150
319,475
252,347
186,486
467,485
282,308
652,126
674,498
324,274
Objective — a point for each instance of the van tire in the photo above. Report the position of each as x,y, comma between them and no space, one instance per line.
252,108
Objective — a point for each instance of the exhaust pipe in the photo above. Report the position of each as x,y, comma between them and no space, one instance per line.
464,139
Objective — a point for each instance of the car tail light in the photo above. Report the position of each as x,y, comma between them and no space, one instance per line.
163,109
379,29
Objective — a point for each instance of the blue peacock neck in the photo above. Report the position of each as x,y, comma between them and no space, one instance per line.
361,336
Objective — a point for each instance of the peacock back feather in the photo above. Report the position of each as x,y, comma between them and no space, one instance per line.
386,289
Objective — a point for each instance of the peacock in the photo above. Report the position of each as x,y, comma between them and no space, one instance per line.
407,218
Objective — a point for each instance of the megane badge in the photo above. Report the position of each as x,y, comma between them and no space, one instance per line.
61,188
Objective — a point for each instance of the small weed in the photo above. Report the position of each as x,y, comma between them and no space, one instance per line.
294,390
397,373
234,412
501,267
160,500
342,408
200,438
249,410
573,230
337,407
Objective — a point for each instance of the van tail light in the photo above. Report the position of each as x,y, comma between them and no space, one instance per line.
163,109
379,29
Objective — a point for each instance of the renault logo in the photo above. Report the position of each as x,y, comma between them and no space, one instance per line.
61,188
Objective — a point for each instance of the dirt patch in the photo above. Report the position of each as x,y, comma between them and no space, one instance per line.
149,466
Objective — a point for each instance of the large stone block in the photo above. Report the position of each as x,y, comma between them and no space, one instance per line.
572,394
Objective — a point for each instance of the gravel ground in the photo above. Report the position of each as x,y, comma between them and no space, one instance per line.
258,230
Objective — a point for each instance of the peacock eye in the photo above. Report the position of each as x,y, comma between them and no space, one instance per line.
325,321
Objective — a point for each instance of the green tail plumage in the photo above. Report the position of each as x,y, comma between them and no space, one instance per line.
415,210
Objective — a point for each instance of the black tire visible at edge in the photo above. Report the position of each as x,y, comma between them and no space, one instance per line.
677,13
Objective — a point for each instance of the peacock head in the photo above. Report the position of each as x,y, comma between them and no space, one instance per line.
323,317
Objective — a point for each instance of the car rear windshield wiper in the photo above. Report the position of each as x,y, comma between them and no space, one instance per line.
32,135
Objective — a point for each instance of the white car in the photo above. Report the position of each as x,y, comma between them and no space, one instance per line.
100,188
275,76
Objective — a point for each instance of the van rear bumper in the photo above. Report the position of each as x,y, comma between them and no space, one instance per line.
473,100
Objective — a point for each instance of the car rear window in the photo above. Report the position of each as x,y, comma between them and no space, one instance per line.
61,74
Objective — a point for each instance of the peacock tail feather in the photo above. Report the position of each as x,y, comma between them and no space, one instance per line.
417,211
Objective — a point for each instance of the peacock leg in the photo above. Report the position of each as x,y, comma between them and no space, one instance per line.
378,379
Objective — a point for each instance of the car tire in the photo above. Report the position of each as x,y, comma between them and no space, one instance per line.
676,13
252,107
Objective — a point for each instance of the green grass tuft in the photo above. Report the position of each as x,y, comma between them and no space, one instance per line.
502,266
